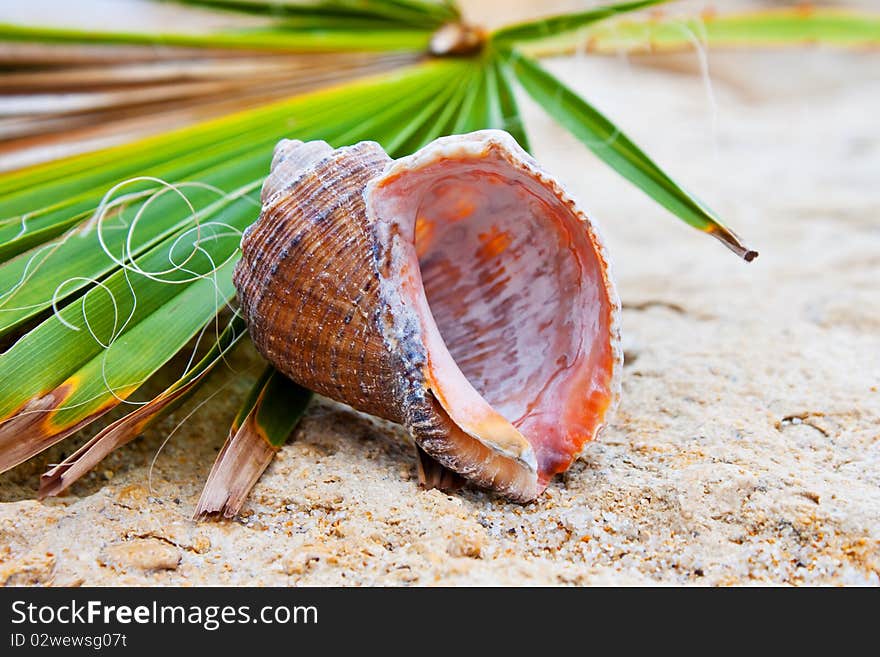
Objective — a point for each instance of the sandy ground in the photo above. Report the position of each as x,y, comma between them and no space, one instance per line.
747,445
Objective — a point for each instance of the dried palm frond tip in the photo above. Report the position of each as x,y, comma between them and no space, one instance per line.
134,163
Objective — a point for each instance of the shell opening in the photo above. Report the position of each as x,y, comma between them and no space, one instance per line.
511,293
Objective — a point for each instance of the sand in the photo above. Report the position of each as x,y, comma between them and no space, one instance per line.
747,445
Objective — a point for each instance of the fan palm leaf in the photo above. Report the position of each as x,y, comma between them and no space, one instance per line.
104,249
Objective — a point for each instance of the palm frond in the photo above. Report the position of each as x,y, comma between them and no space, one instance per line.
96,351
510,118
133,233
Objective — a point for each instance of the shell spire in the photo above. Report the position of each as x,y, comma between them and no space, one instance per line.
459,291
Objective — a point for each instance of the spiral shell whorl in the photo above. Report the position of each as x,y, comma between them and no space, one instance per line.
291,159
307,280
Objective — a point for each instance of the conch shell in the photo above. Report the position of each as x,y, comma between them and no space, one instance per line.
458,291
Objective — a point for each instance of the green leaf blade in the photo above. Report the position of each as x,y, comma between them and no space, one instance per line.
265,422
771,28
31,281
510,114
474,108
509,36
279,408
86,379
613,147
63,475
278,39
321,13
186,152
440,122
34,281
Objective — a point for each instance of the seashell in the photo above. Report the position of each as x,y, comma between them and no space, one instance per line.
459,291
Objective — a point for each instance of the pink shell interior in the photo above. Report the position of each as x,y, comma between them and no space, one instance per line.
516,300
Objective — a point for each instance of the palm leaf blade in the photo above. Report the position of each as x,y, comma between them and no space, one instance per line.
611,145
555,25
442,121
186,150
265,421
418,12
35,281
127,428
281,39
61,269
60,345
510,116
110,377
795,26
473,109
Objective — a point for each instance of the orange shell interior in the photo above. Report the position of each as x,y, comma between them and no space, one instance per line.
515,307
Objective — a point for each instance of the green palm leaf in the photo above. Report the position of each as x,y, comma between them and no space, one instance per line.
293,38
97,351
422,11
32,281
510,119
